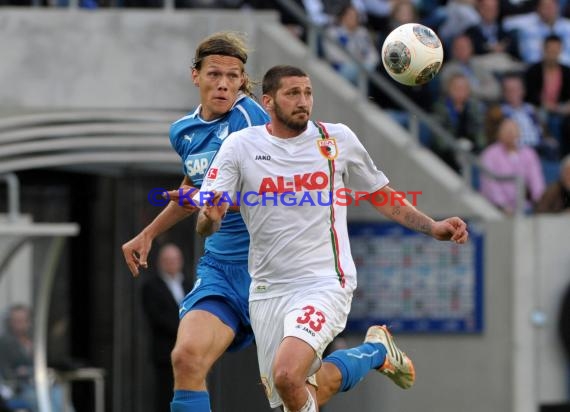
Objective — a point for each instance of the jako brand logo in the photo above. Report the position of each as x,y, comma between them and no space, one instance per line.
262,157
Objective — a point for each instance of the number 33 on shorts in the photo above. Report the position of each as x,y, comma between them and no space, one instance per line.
312,319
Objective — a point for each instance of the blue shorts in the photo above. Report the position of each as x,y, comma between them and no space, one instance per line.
222,289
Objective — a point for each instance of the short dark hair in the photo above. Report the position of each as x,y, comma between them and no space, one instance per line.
552,37
342,10
272,79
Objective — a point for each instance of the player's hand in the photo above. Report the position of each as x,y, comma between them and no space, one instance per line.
183,197
452,228
135,252
213,209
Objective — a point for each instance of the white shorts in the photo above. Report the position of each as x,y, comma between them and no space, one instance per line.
314,315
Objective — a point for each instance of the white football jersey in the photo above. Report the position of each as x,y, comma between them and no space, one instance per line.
293,194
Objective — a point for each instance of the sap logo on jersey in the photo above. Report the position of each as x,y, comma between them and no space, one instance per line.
197,165
299,183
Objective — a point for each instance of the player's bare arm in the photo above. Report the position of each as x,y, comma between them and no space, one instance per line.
211,215
183,197
403,212
136,250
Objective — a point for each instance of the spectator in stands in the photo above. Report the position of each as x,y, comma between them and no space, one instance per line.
459,16
377,13
316,12
507,157
462,115
16,359
488,35
323,12
493,118
355,39
381,10
286,17
422,95
484,84
516,7
161,295
402,12
533,28
526,117
548,86
334,7
556,198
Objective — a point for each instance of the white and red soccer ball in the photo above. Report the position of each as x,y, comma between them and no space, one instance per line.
412,54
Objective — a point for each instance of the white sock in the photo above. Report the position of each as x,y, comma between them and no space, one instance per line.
309,406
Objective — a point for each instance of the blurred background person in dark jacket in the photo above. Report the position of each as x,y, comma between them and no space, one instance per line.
161,295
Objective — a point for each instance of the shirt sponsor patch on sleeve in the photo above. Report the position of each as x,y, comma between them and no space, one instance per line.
212,173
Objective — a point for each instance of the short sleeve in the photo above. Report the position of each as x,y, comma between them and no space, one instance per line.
224,174
362,174
175,143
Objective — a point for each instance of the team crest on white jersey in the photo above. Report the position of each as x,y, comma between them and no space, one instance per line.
328,148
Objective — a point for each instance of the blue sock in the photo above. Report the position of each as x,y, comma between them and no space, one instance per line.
355,363
190,401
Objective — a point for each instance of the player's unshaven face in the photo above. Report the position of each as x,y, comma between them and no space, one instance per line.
293,103
219,80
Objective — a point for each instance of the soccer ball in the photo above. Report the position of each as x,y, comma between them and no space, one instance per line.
412,54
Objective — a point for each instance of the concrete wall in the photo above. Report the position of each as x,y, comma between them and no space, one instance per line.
541,274
110,59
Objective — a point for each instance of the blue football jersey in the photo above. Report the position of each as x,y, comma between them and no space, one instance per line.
197,141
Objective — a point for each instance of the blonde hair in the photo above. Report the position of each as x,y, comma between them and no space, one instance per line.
225,44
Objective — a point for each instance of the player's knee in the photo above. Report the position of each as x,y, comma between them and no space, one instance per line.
286,382
189,362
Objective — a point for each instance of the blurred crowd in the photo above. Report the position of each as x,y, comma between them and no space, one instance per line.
503,91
